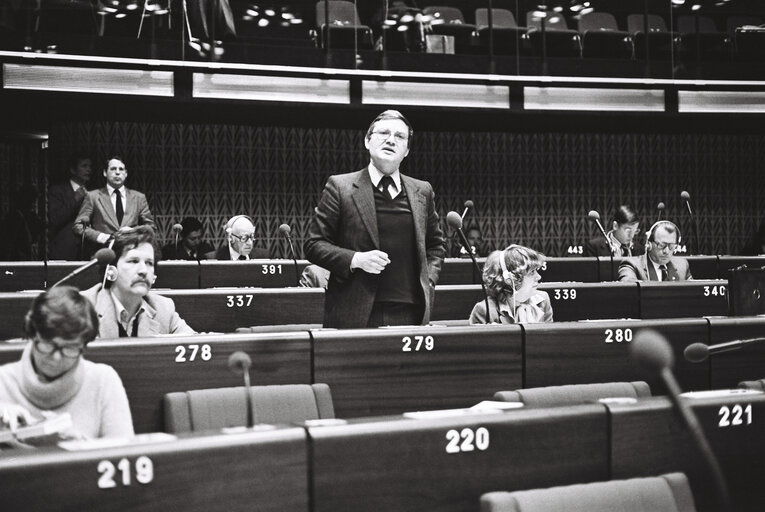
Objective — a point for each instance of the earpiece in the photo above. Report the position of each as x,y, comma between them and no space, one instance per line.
649,233
506,274
111,273
230,224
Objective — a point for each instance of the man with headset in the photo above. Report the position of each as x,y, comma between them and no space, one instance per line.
659,262
240,237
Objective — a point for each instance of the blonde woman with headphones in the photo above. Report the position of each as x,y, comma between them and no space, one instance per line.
511,277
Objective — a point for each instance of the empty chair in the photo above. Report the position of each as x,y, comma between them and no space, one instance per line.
701,40
748,36
601,37
508,37
553,38
448,21
552,396
346,30
758,385
208,409
660,40
666,493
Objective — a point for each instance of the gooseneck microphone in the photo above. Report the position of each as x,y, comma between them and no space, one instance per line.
660,211
651,352
285,230
177,228
698,352
593,215
454,221
102,257
468,206
685,196
85,225
239,363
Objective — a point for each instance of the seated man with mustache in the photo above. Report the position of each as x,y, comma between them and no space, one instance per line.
126,307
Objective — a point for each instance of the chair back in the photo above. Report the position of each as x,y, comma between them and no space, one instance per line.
758,385
502,18
209,409
666,493
555,21
655,23
447,14
341,12
597,21
552,396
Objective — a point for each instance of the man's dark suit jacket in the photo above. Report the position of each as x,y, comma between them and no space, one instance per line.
638,268
598,247
346,223
169,252
224,254
97,210
63,208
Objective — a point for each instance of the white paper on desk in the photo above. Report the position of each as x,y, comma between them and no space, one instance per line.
447,413
720,393
496,404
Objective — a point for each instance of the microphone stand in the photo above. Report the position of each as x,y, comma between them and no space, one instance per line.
464,241
608,245
294,260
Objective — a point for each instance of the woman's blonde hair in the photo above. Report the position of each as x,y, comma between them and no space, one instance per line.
519,261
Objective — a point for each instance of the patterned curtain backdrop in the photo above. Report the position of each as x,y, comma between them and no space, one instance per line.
528,188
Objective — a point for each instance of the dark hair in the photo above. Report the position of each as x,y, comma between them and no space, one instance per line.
62,312
391,114
129,238
76,158
114,157
626,215
190,224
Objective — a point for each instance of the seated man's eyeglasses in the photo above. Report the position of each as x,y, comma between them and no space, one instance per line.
48,347
663,245
385,135
244,238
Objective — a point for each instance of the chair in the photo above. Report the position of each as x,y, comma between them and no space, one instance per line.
508,37
700,39
558,39
748,36
346,29
601,37
552,396
208,409
758,385
448,21
666,493
660,40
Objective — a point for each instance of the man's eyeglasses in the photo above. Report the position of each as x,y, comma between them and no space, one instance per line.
48,347
663,245
244,238
384,135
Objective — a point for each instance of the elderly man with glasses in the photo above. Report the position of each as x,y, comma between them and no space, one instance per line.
659,262
240,238
377,232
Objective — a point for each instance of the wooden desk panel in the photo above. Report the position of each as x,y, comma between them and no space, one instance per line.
726,263
225,309
151,367
578,269
704,267
581,301
747,363
13,307
22,275
680,299
589,352
455,301
237,472
403,465
391,371
257,273
58,269
460,271
648,439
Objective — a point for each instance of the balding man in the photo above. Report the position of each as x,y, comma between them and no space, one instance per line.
240,237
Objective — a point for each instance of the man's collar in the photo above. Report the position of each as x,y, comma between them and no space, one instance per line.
235,255
122,314
75,185
376,175
111,190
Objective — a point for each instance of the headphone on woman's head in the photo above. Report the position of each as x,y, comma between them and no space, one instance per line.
649,233
506,274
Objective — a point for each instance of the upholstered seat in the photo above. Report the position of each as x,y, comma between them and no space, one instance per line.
551,396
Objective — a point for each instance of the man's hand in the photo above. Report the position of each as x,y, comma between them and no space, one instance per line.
11,415
372,262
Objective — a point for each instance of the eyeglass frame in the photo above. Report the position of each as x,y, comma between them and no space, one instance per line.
672,246
245,238
383,135
56,347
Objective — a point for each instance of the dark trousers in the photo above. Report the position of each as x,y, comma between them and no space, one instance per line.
395,313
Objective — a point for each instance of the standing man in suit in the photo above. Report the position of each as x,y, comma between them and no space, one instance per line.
64,202
659,262
107,209
240,241
377,232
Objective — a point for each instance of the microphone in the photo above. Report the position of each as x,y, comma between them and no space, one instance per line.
596,217
102,257
660,207
468,206
177,228
285,230
239,363
698,352
685,196
85,224
454,221
651,352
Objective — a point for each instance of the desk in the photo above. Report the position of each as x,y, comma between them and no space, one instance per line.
580,301
579,269
702,267
399,464
21,275
258,273
589,352
460,271
747,363
680,299
264,470
648,439
394,370
725,263
151,367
